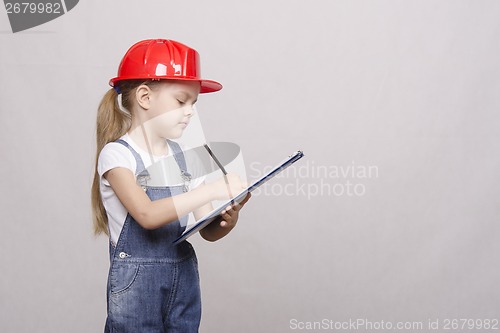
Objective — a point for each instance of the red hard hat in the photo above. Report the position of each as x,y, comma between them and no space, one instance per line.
162,59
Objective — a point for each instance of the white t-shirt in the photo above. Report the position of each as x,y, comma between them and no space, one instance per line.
115,155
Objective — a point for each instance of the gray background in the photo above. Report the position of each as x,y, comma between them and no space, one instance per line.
411,87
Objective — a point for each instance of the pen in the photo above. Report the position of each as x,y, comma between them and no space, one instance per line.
222,169
215,159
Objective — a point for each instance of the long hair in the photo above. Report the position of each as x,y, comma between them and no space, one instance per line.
112,123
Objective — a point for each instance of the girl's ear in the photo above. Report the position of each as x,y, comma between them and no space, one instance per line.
143,96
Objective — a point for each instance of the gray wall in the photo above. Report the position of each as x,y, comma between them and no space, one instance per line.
404,93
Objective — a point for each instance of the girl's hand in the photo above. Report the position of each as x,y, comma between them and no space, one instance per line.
227,187
217,230
230,214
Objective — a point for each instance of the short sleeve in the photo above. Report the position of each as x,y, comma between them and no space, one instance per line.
115,155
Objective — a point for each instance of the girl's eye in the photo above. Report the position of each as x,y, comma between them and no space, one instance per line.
181,102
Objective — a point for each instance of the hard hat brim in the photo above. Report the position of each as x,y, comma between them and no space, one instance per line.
206,86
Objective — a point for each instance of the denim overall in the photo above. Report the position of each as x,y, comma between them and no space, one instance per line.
153,285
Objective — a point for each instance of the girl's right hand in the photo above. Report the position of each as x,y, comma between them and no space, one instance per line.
227,187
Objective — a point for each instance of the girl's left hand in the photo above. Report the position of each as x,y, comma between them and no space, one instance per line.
230,214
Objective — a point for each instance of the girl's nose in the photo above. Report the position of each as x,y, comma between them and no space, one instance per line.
190,110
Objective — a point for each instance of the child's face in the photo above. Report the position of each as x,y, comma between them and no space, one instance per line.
172,107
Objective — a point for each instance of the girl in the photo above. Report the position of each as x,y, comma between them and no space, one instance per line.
153,285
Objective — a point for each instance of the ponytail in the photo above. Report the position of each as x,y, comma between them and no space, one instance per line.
112,123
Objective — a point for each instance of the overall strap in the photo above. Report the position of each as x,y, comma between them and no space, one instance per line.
141,173
181,162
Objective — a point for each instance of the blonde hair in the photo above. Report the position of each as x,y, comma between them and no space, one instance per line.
112,123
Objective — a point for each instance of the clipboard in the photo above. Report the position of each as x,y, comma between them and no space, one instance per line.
214,214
